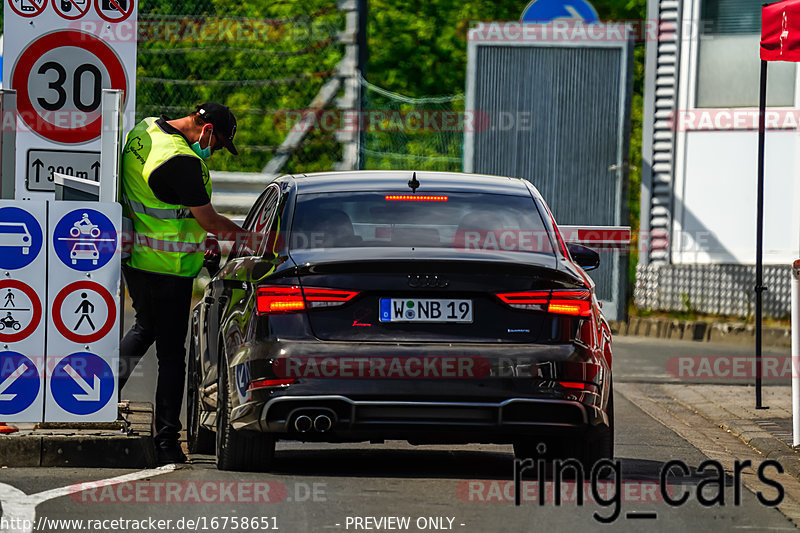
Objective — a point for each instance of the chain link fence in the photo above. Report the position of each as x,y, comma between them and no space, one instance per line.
412,133
265,60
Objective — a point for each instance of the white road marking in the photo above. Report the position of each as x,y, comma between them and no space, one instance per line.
20,508
762,528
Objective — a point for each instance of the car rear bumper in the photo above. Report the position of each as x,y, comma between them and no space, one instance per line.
434,421
519,393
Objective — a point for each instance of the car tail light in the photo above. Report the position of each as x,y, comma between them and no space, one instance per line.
265,383
575,303
316,297
531,300
278,300
414,198
281,300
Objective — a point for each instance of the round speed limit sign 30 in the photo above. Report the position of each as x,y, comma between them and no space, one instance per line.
59,80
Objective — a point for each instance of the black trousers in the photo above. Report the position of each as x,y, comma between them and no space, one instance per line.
162,304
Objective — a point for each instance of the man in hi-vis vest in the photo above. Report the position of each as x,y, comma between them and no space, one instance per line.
166,192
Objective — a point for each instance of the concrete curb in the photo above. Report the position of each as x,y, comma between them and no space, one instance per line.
127,443
725,332
765,444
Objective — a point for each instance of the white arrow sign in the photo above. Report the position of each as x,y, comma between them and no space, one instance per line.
573,14
92,394
10,381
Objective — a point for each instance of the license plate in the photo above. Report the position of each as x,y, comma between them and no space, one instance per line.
425,310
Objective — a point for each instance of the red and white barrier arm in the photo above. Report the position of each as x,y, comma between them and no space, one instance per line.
597,236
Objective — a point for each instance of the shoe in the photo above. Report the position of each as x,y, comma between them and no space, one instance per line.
168,453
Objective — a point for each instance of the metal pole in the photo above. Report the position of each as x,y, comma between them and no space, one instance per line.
796,353
759,288
8,144
363,56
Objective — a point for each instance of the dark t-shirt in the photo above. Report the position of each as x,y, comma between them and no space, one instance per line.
180,179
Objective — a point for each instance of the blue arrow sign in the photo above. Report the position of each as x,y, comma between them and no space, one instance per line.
20,238
85,239
19,383
82,383
548,10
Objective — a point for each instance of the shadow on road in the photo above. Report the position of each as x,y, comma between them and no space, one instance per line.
442,464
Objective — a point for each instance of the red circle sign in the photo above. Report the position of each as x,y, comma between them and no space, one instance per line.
36,308
58,321
27,8
79,131
114,10
79,11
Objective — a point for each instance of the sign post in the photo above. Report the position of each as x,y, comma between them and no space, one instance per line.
83,301
778,43
796,353
23,268
8,143
59,57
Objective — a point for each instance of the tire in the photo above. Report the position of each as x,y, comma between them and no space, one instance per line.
199,439
599,443
243,451
16,326
94,232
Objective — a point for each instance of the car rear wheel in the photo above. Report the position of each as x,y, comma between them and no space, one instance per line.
199,439
599,443
244,451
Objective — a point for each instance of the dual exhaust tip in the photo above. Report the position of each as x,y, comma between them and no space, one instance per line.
320,423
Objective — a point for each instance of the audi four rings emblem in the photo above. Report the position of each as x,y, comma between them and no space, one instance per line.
420,281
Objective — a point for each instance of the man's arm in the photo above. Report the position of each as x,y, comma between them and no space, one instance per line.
224,228
213,222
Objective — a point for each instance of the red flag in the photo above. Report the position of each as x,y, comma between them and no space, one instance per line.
780,31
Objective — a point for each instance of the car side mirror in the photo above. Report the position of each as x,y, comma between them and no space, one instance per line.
212,256
586,258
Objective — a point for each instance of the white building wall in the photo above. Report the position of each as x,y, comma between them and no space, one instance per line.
699,184
715,187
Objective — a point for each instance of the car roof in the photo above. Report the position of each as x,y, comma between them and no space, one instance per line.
397,181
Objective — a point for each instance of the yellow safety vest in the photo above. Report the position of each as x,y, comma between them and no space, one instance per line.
167,239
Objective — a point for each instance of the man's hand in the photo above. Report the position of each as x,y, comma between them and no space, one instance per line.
212,255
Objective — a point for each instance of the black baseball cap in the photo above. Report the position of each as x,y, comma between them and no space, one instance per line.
222,119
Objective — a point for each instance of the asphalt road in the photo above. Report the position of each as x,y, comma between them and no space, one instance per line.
353,487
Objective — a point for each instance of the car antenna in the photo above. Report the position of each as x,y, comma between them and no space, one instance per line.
414,183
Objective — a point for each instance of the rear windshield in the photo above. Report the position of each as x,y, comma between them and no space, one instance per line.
471,221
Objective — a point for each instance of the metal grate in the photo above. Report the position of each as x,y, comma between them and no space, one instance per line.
555,117
713,289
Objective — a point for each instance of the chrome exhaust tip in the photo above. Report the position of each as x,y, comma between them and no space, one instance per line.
302,423
323,423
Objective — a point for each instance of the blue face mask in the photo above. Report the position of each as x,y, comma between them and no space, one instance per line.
204,153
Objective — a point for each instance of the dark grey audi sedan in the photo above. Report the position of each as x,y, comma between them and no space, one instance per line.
421,306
